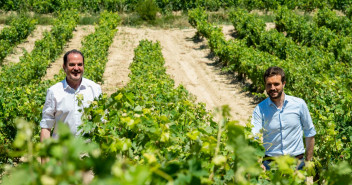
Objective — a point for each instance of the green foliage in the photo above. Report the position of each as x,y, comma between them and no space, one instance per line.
148,133
152,123
339,24
348,12
309,34
65,166
147,9
333,98
19,30
88,20
25,99
45,52
212,5
197,15
149,114
49,6
339,174
249,26
151,133
14,5
311,73
283,171
307,5
22,94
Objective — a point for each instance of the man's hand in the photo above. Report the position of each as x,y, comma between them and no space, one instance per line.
310,147
262,165
44,134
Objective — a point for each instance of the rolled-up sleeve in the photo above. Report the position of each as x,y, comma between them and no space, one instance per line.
99,91
96,89
306,120
256,121
49,109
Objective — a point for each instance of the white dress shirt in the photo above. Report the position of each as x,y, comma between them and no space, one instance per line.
61,104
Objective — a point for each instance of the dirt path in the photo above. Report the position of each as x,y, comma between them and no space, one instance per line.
228,31
121,53
74,43
187,63
27,45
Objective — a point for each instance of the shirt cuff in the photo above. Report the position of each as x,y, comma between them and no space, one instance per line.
47,123
310,132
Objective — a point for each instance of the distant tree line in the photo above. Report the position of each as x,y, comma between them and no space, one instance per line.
49,6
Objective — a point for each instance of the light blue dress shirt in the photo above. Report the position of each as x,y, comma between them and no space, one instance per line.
283,128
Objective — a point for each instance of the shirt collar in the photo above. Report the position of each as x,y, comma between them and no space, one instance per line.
82,85
286,99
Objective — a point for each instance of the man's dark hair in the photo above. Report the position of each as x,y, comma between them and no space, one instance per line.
72,51
272,71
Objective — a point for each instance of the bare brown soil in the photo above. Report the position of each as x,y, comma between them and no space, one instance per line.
187,62
121,54
228,31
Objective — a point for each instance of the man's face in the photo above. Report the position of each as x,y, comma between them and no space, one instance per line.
74,67
274,87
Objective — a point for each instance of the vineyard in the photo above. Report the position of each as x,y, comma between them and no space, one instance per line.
177,102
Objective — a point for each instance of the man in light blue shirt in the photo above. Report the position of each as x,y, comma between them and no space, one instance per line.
283,119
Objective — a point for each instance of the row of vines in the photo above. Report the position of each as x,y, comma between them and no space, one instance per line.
315,73
24,92
18,30
49,6
95,47
21,92
151,132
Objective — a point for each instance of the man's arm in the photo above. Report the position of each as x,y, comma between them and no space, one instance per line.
310,147
256,127
309,130
256,122
48,116
48,119
45,134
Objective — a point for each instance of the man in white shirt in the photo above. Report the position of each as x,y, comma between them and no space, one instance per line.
65,100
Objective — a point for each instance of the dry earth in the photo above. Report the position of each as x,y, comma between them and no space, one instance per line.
187,62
